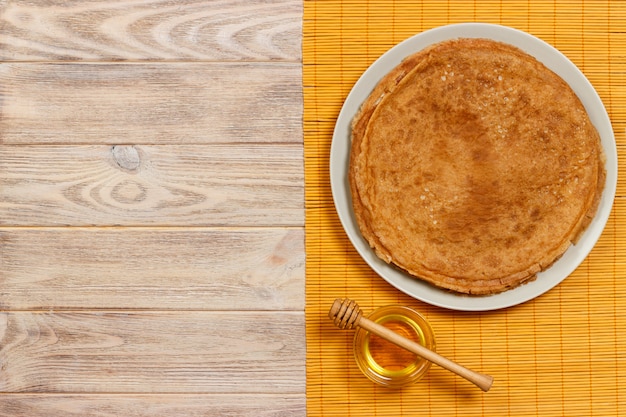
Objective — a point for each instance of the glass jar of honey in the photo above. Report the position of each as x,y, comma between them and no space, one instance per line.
386,363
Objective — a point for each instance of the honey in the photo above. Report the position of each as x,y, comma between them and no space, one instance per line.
386,363
387,355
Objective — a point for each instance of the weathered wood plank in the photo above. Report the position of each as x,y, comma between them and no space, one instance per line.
167,268
157,405
177,352
150,103
216,185
150,30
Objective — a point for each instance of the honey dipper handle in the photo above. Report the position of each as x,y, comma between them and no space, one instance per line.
480,380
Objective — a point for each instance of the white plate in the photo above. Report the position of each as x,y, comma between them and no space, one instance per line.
340,151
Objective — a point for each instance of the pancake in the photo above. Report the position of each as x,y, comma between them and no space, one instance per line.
473,166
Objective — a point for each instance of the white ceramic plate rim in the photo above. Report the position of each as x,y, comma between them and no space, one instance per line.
340,151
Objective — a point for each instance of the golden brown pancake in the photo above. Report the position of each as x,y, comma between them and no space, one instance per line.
473,166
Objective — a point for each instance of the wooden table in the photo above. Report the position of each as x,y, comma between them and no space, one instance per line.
151,208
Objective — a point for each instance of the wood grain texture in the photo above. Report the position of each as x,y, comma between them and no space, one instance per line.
171,268
177,352
158,405
151,208
217,185
150,30
150,103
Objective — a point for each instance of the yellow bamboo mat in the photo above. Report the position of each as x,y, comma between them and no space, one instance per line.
562,354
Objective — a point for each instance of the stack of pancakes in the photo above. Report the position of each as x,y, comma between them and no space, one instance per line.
473,166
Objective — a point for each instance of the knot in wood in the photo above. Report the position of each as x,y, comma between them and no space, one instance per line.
126,157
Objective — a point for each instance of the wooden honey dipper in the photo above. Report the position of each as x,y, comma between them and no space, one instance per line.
346,314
